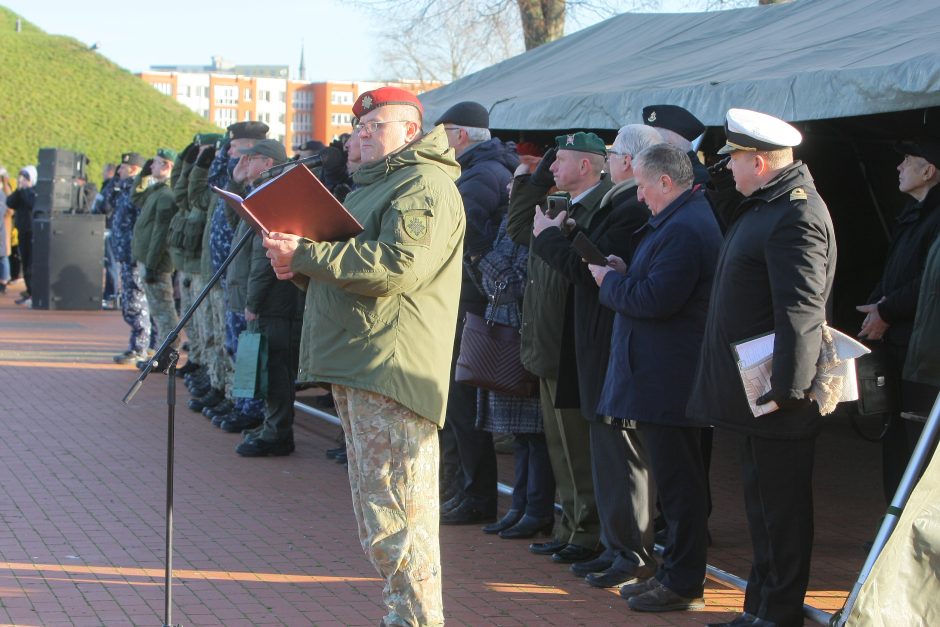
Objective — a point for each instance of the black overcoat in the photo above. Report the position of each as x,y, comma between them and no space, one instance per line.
774,274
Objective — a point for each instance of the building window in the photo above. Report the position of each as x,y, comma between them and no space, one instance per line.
282,96
164,88
226,117
341,119
280,118
341,97
247,116
226,95
247,93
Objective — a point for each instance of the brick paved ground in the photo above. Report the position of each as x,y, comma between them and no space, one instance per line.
273,541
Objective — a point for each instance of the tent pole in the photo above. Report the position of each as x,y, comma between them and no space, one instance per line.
919,460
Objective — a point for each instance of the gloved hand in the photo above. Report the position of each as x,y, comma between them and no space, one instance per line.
204,160
334,164
189,153
542,177
147,170
720,175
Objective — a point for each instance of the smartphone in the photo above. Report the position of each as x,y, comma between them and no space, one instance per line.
556,204
588,251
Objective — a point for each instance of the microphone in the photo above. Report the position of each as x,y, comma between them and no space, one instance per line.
312,161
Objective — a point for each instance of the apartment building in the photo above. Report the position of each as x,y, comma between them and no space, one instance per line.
296,111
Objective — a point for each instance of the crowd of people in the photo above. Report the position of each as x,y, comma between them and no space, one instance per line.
631,351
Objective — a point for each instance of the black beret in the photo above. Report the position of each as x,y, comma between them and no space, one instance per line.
466,113
132,158
248,130
673,118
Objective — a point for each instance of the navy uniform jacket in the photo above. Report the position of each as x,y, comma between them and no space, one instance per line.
661,305
774,274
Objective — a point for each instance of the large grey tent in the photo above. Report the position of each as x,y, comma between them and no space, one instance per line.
805,60
854,75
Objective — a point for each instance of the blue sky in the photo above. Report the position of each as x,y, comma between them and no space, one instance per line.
339,42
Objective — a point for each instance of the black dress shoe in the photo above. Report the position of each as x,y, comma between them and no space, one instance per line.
574,553
741,620
469,513
452,503
616,577
508,520
547,548
341,458
527,527
214,397
219,419
331,453
238,422
596,565
256,447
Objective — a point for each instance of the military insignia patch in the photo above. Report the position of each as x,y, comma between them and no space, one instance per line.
367,102
416,227
569,141
652,117
798,194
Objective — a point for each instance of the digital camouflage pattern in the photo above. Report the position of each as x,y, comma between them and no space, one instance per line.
135,311
393,464
160,299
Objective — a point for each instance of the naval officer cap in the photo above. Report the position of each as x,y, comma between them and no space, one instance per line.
754,131
673,118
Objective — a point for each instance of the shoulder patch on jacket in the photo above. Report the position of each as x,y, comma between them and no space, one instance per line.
798,194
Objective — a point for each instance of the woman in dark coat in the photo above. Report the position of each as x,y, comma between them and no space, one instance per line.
503,271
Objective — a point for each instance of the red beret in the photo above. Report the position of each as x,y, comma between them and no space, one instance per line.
370,100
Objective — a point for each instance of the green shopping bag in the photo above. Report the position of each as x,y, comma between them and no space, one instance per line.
251,366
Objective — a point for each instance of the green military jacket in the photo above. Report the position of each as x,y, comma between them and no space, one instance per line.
179,183
236,277
546,293
148,245
381,308
201,201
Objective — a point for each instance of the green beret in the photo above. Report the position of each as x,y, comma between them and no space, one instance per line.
582,142
207,139
167,153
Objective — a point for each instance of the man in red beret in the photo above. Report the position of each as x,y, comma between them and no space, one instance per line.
381,310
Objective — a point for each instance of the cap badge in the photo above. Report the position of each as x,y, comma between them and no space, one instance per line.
798,194
652,117
367,102
569,141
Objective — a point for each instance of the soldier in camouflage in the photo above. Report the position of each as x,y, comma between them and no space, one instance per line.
381,312
133,301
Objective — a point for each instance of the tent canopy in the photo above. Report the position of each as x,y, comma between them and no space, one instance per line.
801,61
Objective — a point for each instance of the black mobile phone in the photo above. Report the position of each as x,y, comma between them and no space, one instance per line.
556,204
588,251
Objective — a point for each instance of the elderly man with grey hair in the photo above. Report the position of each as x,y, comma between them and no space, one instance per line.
618,466
661,303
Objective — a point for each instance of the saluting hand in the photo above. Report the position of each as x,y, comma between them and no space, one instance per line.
280,250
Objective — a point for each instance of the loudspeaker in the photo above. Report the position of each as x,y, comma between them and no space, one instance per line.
56,163
67,262
54,195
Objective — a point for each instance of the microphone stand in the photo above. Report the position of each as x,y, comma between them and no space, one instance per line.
165,359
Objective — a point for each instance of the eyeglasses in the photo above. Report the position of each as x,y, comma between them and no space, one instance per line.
618,154
372,126
451,128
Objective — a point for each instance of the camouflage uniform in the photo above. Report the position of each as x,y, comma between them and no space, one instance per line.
393,460
105,204
134,307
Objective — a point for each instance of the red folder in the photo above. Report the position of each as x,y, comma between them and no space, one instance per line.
294,202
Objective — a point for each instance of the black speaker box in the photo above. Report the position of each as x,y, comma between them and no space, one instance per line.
58,194
67,262
56,163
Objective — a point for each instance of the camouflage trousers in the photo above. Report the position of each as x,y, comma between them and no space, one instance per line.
393,463
187,296
219,364
134,309
159,291
200,324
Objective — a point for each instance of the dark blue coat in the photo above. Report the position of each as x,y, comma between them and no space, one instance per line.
486,170
661,306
